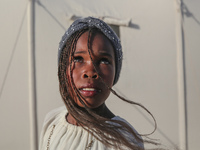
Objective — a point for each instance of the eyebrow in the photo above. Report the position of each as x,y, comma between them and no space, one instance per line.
105,54
80,52
102,53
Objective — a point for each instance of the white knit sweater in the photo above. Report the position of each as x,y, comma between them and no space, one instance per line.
58,134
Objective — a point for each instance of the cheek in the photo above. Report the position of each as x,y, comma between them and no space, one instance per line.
71,71
76,75
108,74
71,87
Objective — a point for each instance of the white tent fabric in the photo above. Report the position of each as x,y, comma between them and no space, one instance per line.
161,62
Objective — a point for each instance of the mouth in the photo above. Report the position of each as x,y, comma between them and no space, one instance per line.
89,91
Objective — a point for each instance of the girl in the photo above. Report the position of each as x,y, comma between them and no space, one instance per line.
89,64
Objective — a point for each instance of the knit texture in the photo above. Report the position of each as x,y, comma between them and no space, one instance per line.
91,22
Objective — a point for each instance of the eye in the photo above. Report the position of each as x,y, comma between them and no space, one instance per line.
104,61
78,59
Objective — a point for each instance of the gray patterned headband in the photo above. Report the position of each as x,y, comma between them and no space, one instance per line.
91,22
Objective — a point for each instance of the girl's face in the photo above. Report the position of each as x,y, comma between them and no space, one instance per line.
85,78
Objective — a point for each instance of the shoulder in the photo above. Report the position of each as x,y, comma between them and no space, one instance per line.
123,120
54,114
128,135
52,118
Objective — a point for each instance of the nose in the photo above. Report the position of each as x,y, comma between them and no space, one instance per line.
90,75
90,72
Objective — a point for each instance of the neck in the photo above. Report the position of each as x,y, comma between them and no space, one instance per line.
70,119
103,111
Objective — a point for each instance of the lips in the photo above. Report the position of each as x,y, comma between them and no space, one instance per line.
89,91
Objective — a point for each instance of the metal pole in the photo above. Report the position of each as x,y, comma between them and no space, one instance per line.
32,77
183,137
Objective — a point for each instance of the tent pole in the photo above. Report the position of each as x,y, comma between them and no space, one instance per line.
32,77
183,131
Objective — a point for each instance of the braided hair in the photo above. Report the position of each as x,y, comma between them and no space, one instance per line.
108,131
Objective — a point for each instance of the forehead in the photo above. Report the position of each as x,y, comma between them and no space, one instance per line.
98,42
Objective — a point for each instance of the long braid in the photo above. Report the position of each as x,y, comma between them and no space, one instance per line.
92,122
113,91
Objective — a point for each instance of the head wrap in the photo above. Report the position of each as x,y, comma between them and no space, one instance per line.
91,22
